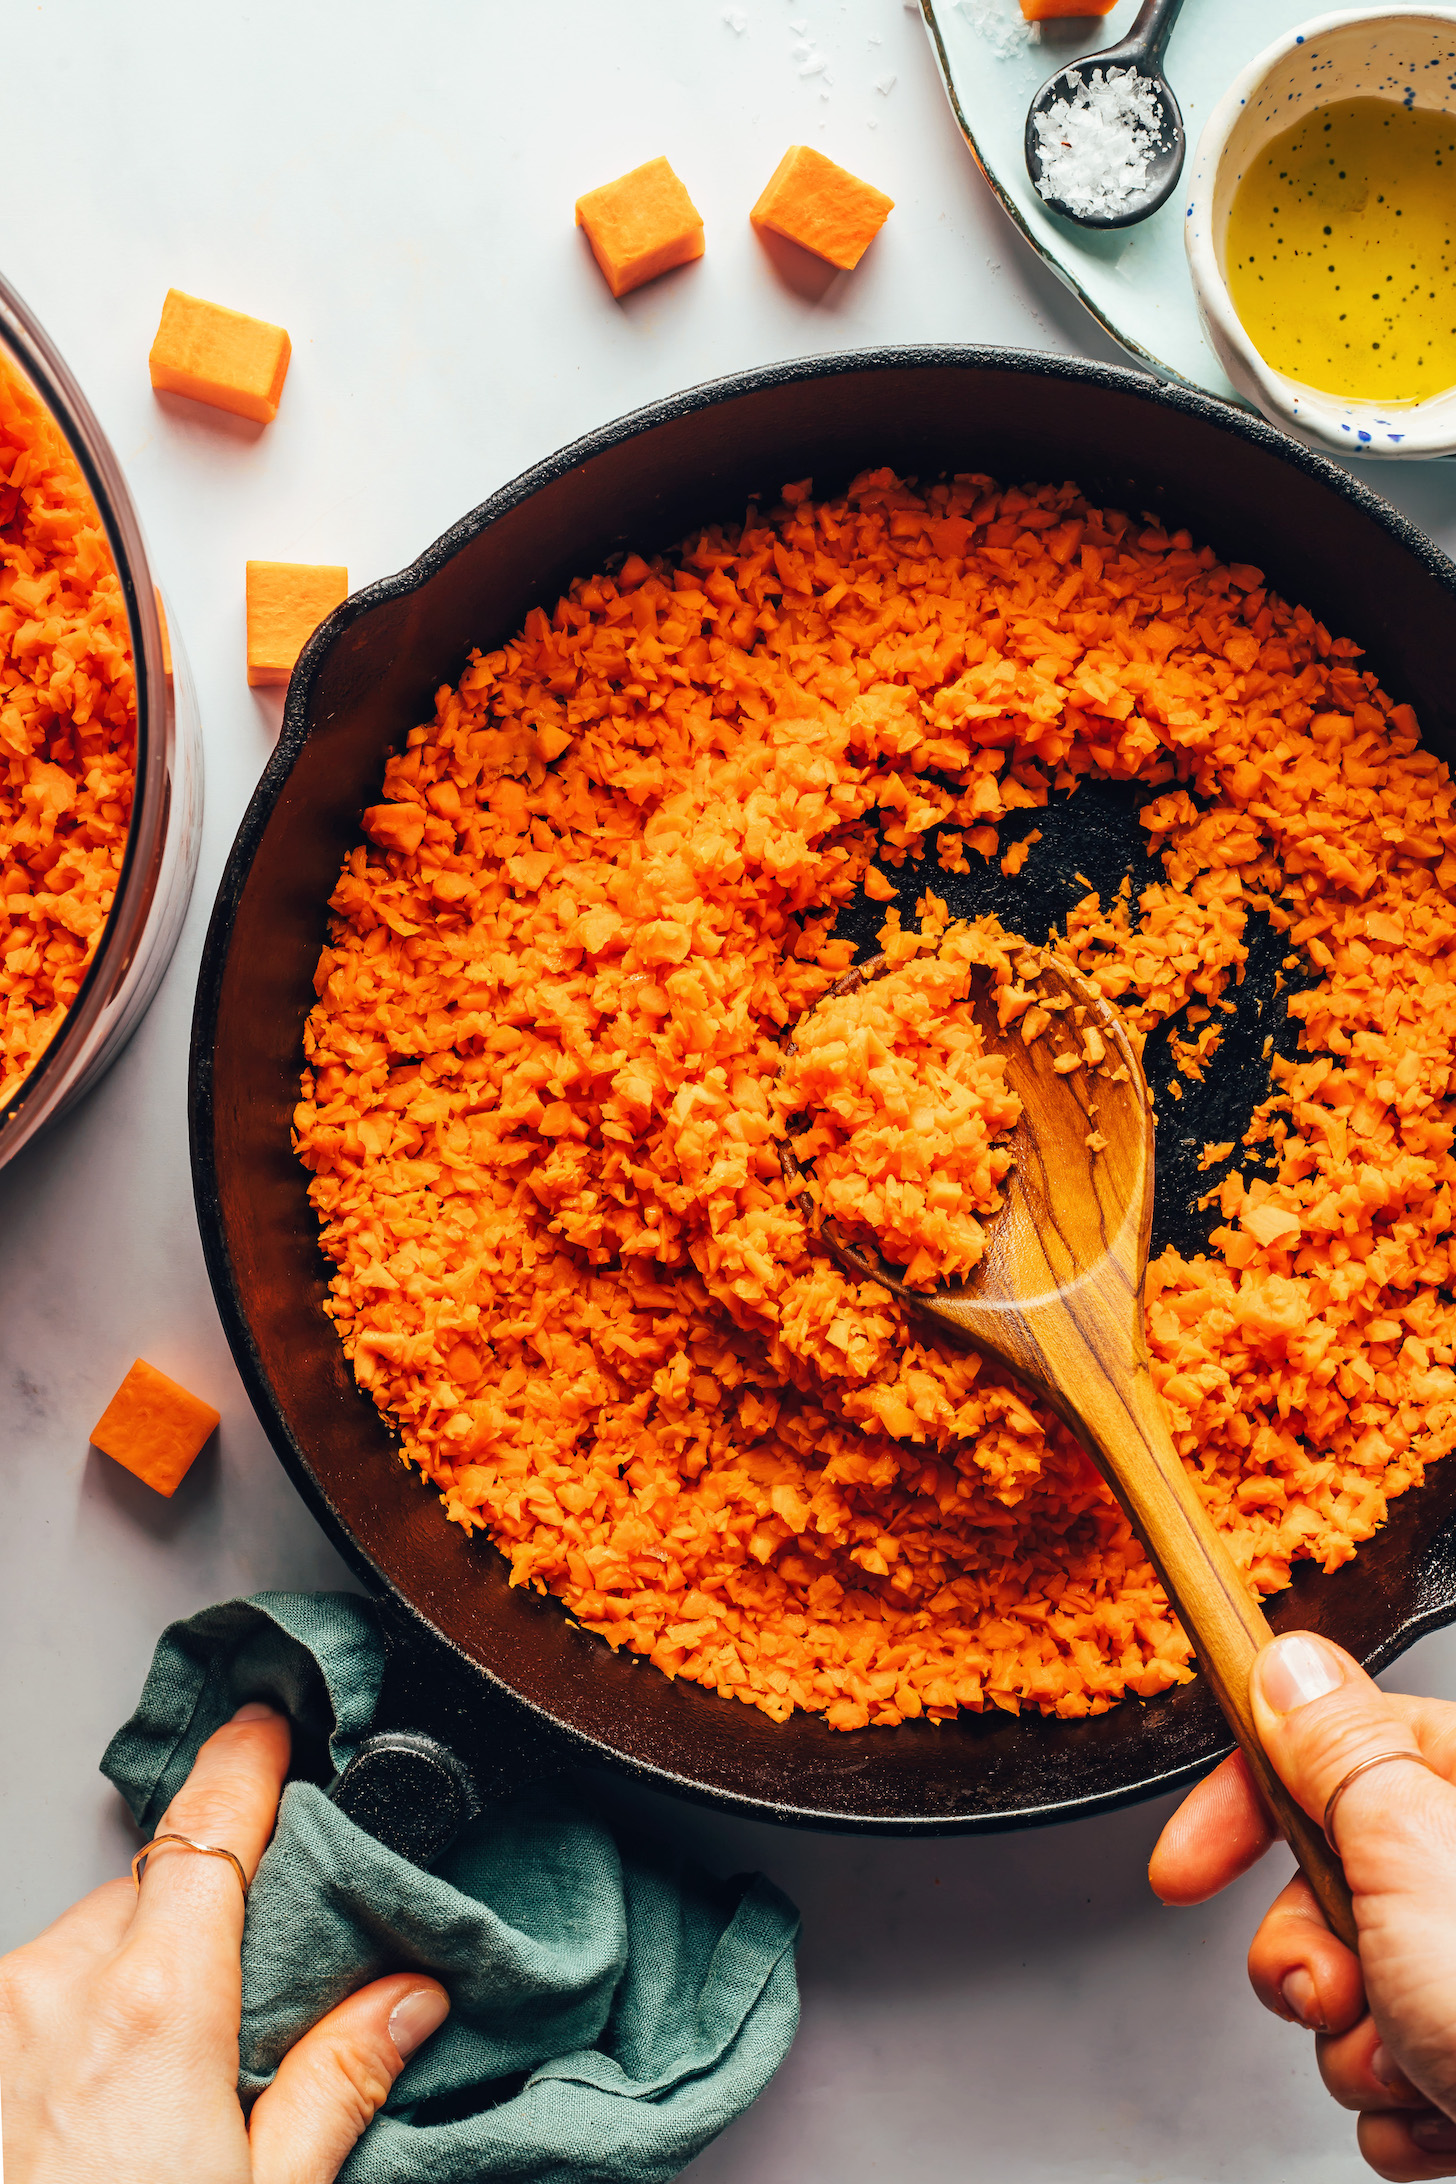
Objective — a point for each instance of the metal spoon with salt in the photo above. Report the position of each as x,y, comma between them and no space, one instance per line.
1156,145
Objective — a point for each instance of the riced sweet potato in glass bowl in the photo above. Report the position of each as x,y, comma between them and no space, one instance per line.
100,759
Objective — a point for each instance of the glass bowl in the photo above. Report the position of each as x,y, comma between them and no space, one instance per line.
160,860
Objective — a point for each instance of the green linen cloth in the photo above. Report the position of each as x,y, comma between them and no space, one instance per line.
616,2007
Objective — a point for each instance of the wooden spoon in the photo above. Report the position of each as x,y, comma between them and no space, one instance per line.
1058,1298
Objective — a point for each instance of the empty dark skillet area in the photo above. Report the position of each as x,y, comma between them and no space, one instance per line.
479,1660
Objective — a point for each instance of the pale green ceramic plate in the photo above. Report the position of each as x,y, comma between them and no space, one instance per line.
1134,281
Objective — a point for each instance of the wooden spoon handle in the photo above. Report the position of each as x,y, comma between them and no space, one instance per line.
1126,1433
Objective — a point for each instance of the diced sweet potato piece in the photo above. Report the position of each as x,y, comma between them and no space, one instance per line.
1041,11
824,208
219,356
641,225
395,826
286,602
154,1427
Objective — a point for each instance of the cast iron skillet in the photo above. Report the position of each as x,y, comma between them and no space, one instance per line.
498,1670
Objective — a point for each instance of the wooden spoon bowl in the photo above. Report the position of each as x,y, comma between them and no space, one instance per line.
1058,1298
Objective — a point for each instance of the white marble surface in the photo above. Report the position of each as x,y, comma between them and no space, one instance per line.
395,185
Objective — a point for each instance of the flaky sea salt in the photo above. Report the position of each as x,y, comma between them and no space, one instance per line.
1000,22
1096,147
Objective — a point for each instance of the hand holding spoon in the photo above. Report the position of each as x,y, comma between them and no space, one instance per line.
1058,1298
1141,53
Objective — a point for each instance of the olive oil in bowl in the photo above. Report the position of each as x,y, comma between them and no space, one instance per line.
1340,251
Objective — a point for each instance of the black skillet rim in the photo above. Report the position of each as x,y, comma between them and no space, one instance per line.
293,735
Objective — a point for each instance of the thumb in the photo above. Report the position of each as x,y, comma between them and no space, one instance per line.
1319,1716
332,2082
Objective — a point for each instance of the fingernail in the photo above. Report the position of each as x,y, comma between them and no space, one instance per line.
1301,1995
1435,2132
1296,1669
413,2020
255,1710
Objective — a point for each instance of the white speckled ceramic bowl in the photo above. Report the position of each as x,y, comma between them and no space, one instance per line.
1400,53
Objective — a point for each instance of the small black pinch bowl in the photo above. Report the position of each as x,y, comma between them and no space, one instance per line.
501,1671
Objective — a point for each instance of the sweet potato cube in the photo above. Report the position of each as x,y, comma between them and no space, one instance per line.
822,207
395,826
286,602
641,225
1042,11
219,356
154,1428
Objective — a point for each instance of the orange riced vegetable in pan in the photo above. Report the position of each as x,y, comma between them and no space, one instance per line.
543,1093
67,730
905,1108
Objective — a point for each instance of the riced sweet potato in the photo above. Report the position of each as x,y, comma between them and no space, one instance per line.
67,730
543,1093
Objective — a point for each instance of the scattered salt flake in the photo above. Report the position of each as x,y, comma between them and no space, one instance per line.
1066,1063
736,20
999,22
799,27
802,50
886,84
1096,1141
815,67
1096,148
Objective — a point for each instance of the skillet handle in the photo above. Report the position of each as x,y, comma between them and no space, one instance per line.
445,1744
408,1791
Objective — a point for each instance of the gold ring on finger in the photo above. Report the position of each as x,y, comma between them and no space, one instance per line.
1376,1759
185,1842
